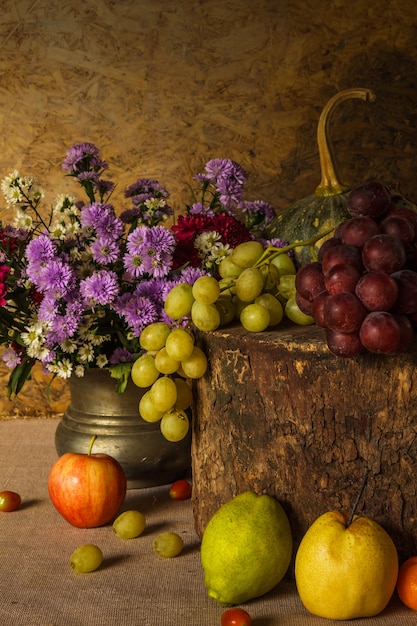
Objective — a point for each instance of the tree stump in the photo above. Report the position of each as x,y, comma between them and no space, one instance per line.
278,413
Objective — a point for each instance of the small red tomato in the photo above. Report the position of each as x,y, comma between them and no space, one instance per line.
180,490
9,501
236,617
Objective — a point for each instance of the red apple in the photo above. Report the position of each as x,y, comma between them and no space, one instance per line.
87,489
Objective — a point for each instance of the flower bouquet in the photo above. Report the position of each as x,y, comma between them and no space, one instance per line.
78,286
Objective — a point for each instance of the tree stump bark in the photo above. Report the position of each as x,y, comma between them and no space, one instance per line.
278,413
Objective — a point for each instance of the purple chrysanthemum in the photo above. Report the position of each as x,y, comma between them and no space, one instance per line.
199,208
145,189
136,239
102,287
100,218
40,249
105,251
138,311
83,157
120,355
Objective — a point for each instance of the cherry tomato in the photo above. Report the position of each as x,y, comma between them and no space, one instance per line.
236,617
9,501
180,490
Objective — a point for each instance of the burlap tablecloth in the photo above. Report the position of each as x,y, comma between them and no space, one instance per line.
134,587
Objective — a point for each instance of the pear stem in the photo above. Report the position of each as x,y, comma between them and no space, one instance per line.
90,447
358,497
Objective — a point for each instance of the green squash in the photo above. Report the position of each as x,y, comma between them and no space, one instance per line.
326,208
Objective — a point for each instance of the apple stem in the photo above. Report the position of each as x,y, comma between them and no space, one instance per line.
90,447
358,497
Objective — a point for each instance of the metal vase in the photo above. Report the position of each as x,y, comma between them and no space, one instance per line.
96,408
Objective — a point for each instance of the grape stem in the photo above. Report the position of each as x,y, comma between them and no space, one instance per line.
272,251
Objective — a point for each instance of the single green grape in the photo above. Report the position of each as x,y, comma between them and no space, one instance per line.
180,344
168,544
247,253
164,363
196,365
184,394
255,318
174,425
153,337
144,372
205,317
295,314
227,285
226,309
129,524
86,558
274,306
147,410
163,394
179,301
285,264
249,284
271,277
238,306
228,269
286,286
206,289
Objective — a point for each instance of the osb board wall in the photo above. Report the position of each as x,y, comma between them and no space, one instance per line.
161,87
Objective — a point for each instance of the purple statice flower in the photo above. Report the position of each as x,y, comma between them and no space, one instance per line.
137,311
105,251
101,287
83,157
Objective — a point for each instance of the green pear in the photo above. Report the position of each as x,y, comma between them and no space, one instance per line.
246,548
345,570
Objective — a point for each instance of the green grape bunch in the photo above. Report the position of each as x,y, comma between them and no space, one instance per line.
170,359
255,286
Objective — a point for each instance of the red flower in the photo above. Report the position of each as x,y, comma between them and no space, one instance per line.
188,227
231,231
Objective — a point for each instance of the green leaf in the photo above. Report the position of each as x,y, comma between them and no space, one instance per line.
20,374
121,372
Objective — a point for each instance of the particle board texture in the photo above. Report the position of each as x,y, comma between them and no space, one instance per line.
162,87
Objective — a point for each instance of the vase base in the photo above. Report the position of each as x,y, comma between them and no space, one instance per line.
148,460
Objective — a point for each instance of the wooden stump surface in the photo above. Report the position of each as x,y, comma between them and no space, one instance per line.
277,413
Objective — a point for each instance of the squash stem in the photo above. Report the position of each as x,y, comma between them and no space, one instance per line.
330,185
